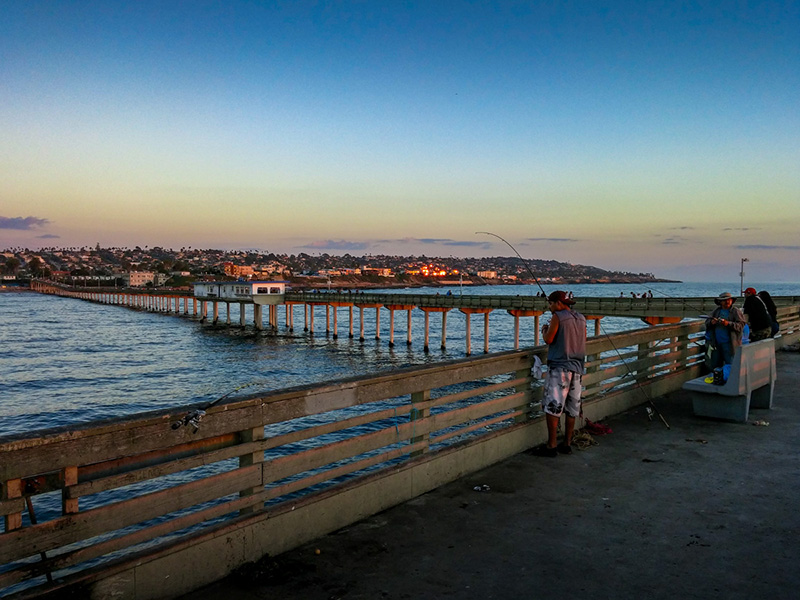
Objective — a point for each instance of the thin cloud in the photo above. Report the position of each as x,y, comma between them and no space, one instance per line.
742,229
675,240
552,240
765,247
336,245
20,223
48,236
437,241
682,228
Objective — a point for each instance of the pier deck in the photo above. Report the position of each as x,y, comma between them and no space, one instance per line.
706,509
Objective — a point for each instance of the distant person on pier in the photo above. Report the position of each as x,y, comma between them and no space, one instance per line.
566,337
755,309
725,327
772,310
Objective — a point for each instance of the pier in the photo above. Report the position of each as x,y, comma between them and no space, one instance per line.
159,504
653,311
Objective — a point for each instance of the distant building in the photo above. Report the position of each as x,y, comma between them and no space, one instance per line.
237,271
139,278
376,271
487,274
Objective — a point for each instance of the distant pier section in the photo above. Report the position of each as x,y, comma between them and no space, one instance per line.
214,296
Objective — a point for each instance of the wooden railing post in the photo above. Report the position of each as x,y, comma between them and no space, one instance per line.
645,350
524,388
419,414
69,475
12,489
246,460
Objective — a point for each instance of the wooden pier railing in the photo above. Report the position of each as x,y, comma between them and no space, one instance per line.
125,506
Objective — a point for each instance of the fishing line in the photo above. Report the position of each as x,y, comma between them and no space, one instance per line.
608,338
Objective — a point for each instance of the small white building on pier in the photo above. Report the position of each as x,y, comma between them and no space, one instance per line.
258,292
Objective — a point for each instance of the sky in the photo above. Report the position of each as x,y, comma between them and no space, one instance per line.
659,137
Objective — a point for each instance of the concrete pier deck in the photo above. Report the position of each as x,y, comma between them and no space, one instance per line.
706,509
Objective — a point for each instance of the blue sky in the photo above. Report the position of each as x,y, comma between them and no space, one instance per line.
646,136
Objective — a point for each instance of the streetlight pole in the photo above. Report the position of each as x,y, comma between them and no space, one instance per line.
741,277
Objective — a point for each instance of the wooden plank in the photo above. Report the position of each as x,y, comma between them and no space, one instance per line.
59,532
11,506
174,466
10,492
461,431
315,458
45,455
297,485
649,363
157,457
75,557
129,477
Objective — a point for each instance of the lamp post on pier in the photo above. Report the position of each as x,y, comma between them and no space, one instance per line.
741,277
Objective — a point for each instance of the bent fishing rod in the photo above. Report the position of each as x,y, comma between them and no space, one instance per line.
524,262
608,337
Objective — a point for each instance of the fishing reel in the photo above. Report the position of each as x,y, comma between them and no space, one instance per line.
192,418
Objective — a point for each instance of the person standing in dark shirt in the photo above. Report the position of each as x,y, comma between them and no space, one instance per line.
757,315
566,337
773,311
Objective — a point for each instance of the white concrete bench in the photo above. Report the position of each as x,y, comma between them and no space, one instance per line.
750,385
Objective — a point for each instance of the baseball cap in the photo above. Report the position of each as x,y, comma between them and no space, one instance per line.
559,296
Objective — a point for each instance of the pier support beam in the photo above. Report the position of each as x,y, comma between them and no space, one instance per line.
335,306
377,308
392,308
351,321
434,309
517,313
596,320
661,320
485,312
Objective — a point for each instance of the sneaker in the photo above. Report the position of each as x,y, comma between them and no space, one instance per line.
564,449
544,452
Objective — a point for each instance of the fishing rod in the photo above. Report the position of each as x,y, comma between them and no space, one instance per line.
536,279
608,338
194,417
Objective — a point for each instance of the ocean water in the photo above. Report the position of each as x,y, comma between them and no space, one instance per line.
68,361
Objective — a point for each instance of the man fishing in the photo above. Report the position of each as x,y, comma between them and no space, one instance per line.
566,337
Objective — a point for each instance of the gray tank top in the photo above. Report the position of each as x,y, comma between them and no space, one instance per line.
568,349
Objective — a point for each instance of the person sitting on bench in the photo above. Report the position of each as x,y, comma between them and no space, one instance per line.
725,327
